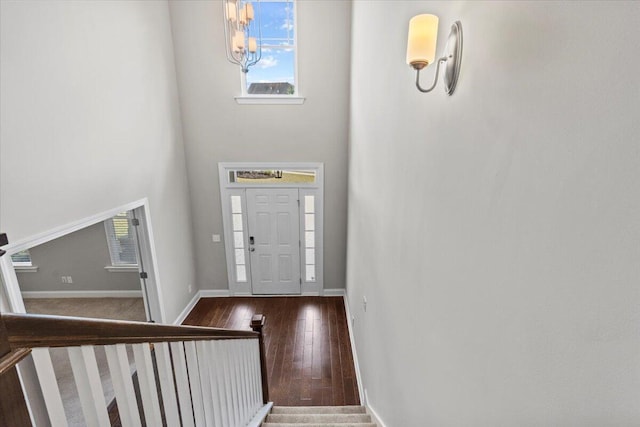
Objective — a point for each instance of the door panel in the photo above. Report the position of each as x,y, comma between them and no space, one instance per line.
275,253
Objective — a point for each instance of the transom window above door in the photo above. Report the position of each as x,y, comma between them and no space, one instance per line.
272,176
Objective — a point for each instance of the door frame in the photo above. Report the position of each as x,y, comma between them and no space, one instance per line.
228,189
151,293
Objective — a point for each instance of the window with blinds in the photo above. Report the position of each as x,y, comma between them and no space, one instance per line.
21,259
121,239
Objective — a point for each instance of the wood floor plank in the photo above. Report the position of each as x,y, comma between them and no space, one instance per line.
309,359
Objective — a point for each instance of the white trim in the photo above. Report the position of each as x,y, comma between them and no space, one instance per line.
25,268
185,312
260,416
270,100
149,259
345,298
375,417
335,293
122,268
81,294
215,293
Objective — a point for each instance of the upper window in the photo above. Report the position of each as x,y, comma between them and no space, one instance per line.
121,239
275,73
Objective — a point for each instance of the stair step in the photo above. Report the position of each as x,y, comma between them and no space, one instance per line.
318,425
318,418
318,410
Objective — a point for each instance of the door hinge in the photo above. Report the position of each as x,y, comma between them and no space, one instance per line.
135,221
298,202
144,275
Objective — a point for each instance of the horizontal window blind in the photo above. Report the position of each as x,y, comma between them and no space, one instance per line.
121,239
21,259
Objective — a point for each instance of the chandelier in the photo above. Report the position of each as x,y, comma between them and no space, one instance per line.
242,33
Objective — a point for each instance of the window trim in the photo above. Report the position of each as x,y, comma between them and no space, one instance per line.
293,99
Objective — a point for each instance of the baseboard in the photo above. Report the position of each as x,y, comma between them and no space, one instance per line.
184,313
212,293
81,294
353,344
375,417
335,292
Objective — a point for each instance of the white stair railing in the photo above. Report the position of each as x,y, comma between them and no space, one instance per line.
209,381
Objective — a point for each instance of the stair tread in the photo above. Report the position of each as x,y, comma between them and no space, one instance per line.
318,410
318,418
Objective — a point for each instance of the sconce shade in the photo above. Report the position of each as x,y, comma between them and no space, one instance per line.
232,11
421,43
249,11
253,45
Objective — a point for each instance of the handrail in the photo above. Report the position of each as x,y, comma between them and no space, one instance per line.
36,330
12,358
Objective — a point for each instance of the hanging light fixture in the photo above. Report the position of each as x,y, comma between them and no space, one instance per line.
243,38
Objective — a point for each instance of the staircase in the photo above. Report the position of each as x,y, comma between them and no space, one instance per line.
318,416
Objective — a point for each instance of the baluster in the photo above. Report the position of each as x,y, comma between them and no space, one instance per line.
194,381
182,382
167,387
257,324
87,378
147,381
239,345
219,365
205,363
255,354
235,384
123,384
228,374
49,386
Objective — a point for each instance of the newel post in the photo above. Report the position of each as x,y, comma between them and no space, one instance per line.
257,323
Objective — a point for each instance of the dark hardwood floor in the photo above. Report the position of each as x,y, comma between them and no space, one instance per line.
307,344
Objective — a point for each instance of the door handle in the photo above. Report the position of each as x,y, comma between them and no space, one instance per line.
252,249
251,240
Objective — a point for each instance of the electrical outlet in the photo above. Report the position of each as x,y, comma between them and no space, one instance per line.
364,303
69,279
64,279
216,238
190,288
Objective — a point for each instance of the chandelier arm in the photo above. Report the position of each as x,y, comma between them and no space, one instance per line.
435,80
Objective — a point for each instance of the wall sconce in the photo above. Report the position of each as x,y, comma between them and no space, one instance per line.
242,34
421,50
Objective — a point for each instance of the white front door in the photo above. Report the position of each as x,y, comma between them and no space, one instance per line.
274,240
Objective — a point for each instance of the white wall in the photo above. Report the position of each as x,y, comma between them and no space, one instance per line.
495,232
90,121
217,129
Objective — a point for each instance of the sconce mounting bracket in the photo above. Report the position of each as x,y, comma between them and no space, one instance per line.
453,54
